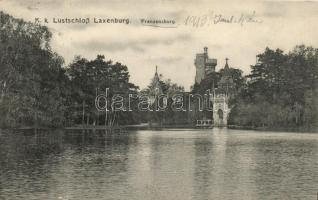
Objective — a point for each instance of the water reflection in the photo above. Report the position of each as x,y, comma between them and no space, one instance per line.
167,164
204,167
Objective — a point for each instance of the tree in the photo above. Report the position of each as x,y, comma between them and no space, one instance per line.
90,78
31,75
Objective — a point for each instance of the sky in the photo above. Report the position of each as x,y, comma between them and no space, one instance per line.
274,24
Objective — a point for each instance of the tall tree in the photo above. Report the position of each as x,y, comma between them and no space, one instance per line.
30,75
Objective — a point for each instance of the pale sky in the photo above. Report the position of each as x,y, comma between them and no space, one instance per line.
282,24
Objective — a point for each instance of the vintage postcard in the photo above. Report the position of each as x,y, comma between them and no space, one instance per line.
168,99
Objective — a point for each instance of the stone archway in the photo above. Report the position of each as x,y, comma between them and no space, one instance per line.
221,110
220,114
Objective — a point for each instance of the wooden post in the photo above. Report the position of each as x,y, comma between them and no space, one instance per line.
106,107
87,120
83,113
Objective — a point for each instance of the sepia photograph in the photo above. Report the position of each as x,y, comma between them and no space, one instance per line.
158,100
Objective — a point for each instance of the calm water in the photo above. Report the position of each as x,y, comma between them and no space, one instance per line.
168,164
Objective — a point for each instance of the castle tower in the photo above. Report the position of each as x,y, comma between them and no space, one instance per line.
221,109
204,65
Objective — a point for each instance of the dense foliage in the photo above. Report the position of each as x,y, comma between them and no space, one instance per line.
91,78
167,116
31,76
35,90
281,91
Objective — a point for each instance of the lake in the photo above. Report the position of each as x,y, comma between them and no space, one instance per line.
171,164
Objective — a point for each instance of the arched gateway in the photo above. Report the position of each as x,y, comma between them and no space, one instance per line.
221,110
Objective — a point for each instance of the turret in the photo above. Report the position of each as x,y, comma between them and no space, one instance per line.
206,51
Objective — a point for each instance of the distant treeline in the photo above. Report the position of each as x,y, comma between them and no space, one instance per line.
36,89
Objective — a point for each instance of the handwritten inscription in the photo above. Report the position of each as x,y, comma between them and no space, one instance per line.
213,18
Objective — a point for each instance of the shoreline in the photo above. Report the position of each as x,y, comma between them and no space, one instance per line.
180,127
276,129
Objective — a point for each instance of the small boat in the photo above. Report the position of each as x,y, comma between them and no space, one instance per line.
204,123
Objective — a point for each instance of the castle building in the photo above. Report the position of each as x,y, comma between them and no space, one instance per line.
155,89
221,96
204,65
226,84
156,101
